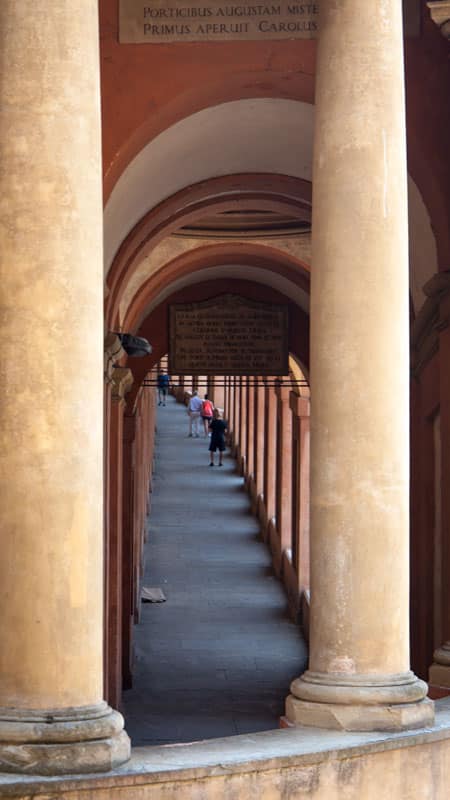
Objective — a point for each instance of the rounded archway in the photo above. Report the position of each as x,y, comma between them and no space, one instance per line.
154,326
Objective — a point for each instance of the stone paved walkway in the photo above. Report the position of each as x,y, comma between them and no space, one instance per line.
217,658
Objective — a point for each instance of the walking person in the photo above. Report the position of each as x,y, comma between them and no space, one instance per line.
207,413
218,428
194,410
163,387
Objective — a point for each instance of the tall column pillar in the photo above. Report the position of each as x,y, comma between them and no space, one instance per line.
230,402
440,669
258,443
250,411
236,414
284,469
122,381
137,519
225,397
242,424
128,547
53,718
300,407
359,676
113,353
270,433
219,393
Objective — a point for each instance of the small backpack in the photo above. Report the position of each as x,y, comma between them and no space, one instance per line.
207,408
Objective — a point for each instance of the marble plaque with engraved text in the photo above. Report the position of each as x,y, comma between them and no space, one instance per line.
228,335
157,21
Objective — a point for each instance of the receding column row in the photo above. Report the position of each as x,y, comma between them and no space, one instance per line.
263,414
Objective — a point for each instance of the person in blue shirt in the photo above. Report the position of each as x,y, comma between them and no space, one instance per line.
163,387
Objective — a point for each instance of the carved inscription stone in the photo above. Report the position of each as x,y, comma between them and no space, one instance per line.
158,21
228,335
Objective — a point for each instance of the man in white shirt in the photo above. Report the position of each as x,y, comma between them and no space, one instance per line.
194,409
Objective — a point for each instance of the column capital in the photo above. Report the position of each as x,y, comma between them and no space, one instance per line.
440,14
300,406
122,381
439,673
442,654
113,352
283,391
433,317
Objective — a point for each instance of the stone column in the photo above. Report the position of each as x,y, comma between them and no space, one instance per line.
270,430
242,425
359,676
225,397
219,393
229,416
179,392
128,547
232,394
250,411
138,517
284,469
52,715
439,289
236,414
113,353
113,350
300,407
122,381
258,442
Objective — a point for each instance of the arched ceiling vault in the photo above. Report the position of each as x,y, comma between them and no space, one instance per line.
261,135
274,193
246,154
258,263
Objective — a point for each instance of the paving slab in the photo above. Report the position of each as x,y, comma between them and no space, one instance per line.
217,657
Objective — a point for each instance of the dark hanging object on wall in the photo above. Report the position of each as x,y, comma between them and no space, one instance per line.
135,346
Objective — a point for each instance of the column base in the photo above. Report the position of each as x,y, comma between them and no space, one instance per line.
360,718
360,703
75,740
439,674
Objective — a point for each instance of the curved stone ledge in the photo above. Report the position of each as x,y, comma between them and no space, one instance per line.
174,769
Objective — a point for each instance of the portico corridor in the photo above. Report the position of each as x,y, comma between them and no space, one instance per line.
216,658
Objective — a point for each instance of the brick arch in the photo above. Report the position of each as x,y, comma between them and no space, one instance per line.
155,326
271,192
